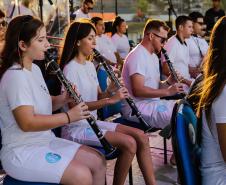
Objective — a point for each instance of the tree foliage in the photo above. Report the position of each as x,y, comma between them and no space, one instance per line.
143,5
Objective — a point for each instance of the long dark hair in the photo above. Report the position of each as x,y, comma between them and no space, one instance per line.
214,69
117,22
21,28
76,31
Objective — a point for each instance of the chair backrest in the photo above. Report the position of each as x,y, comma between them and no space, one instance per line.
111,110
192,96
185,143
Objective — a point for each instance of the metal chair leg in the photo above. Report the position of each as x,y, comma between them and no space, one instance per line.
130,176
105,179
165,151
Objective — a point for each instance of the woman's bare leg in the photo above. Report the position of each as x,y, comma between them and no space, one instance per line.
143,152
127,146
87,168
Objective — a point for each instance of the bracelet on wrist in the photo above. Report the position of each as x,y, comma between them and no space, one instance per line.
68,117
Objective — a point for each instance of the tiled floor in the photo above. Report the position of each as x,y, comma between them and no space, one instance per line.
165,174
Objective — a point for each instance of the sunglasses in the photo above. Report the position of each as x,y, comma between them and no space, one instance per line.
163,39
200,23
89,8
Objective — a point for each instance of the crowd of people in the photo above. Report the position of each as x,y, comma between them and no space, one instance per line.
30,150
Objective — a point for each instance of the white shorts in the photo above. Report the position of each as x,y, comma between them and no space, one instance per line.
84,134
39,162
157,113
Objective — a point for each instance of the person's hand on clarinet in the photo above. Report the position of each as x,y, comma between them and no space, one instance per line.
119,95
78,112
174,89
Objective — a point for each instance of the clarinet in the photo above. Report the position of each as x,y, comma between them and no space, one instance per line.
173,72
109,149
170,65
102,61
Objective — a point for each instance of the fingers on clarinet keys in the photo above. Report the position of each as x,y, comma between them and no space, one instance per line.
175,88
79,112
124,92
121,81
119,95
116,71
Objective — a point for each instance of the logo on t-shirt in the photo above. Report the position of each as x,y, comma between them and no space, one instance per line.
89,133
52,158
161,108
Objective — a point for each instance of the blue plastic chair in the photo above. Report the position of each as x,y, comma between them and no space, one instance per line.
186,143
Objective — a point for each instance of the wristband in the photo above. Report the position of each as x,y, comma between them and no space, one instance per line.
68,117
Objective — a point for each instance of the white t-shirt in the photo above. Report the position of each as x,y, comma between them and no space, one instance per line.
178,53
140,61
122,44
106,47
23,87
79,14
85,78
22,10
197,50
213,166
155,111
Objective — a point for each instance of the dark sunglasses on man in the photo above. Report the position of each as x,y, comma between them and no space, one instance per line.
163,39
200,23
89,8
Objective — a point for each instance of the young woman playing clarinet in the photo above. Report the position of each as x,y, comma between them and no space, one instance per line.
78,45
30,151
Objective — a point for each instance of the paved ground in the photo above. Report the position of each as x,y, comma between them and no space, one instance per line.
165,174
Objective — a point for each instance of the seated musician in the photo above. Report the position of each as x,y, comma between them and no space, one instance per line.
78,45
104,43
212,108
178,50
197,45
30,151
142,78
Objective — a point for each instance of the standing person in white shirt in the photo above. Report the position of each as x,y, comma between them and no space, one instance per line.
129,141
22,9
177,49
211,107
119,38
196,44
104,44
83,11
142,78
30,151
